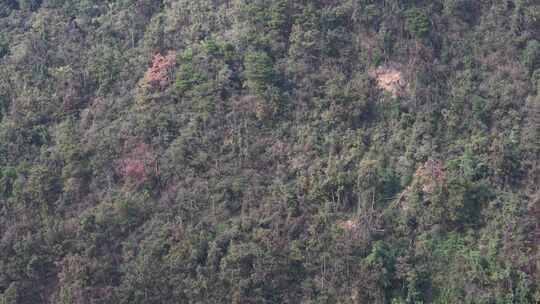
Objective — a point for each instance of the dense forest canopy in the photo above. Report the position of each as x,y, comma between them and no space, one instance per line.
269,151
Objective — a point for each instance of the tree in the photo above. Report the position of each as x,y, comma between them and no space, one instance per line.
418,22
4,47
158,76
531,55
188,77
139,167
259,71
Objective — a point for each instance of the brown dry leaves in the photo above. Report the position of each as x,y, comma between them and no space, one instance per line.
390,79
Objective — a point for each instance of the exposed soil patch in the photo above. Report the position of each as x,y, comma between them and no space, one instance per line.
390,80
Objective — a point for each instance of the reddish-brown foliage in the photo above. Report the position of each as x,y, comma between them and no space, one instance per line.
140,166
159,75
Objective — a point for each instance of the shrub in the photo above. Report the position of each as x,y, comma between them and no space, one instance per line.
157,77
42,184
139,166
4,48
531,55
31,5
188,77
259,71
466,10
278,14
210,47
7,178
418,22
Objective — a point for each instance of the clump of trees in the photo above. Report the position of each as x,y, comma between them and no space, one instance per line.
181,151
139,166
158,76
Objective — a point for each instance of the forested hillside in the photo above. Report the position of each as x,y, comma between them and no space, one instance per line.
269,151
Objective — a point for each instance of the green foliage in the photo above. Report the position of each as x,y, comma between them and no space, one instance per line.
263,160
41,186
188,78
31,5
7,178
209,47
418,22
10,295
465,10
380,256
279,14
259,71
480,110
4,47
105,69
531,55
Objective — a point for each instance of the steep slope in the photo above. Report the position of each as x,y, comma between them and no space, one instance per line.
269,151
